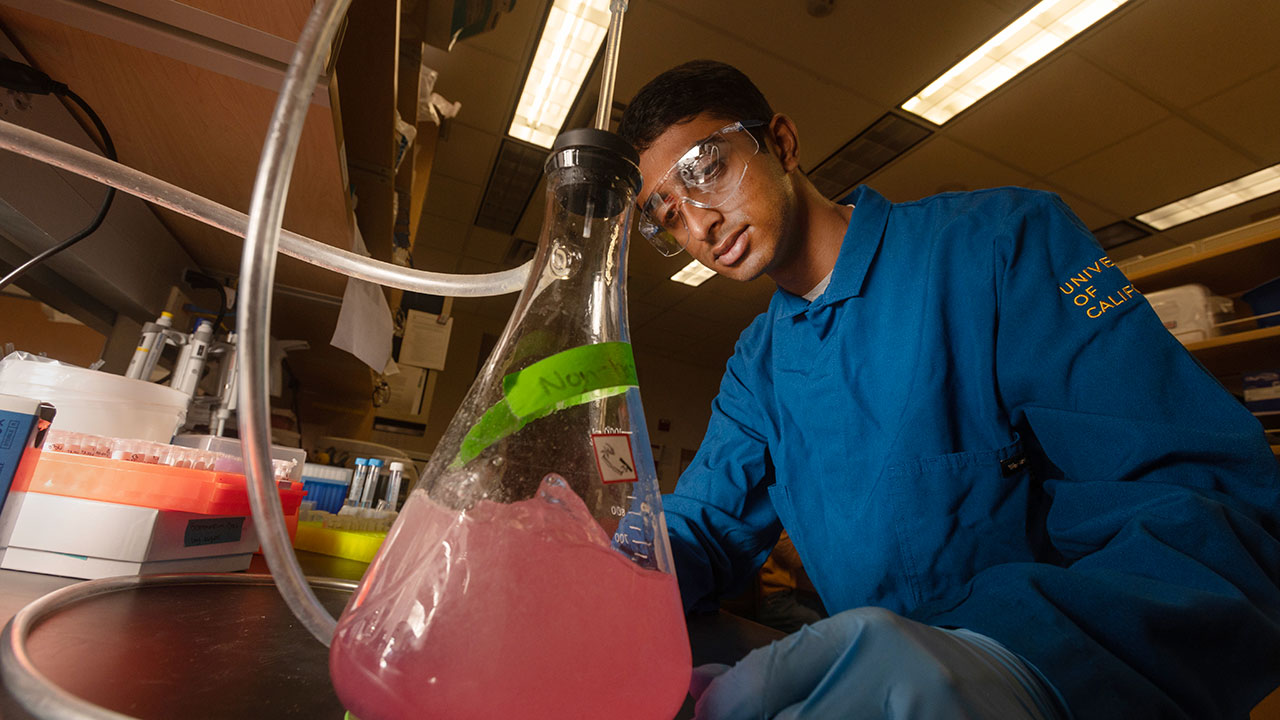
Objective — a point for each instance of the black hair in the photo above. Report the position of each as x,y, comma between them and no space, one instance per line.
688,90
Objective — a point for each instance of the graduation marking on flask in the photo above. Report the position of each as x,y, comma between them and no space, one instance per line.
572,377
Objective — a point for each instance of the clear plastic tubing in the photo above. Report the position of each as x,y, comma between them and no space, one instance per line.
124,178
257,272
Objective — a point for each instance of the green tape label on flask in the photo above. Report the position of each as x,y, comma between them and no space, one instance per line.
572,377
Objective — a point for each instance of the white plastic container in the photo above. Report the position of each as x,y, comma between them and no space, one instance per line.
1191,312
232,447
95,402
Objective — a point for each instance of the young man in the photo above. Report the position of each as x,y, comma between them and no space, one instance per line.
1017,494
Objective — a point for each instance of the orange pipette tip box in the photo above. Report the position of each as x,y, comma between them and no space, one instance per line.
207,492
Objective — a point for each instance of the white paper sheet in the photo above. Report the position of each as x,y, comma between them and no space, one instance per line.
426,340
364,326
407,390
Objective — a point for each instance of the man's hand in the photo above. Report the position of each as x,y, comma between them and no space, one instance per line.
869,663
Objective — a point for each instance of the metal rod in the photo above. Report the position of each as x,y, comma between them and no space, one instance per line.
609,72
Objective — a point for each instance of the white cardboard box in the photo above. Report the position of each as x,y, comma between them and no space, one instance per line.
81,538
1191,312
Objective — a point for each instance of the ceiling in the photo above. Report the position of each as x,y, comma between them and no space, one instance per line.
1160,100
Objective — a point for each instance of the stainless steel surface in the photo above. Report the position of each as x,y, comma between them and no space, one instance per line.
227,650
167,646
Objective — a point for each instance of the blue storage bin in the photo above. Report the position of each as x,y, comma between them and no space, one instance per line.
1265,299
326,486
327,496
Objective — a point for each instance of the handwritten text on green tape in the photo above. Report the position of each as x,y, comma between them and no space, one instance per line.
563,380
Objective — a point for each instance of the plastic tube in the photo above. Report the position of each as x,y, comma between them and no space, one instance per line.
356,489
257,271
95,167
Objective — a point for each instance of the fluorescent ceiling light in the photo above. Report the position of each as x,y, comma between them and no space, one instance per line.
695,273
1227,195
1040,31
570,40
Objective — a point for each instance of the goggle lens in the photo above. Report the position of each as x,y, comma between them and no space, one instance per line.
706,176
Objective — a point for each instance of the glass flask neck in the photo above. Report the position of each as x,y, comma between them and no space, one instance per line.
565,351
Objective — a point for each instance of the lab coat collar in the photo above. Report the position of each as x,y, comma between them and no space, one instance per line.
857,250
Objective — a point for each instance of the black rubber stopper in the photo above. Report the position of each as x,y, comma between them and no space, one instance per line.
601,139
600,150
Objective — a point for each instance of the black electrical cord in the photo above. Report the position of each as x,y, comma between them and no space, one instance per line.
24,78
198,279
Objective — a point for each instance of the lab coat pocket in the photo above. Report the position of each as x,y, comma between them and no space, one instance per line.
782,505
958,514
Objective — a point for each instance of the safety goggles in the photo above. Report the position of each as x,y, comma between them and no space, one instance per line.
706,176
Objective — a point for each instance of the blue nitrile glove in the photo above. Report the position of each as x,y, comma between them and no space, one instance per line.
870,663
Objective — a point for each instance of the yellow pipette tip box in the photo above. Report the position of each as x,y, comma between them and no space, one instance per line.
349,544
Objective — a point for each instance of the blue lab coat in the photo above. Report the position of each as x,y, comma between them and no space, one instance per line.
981,424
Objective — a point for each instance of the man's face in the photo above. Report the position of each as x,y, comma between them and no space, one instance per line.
749,233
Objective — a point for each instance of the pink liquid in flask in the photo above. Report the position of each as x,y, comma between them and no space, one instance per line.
517,610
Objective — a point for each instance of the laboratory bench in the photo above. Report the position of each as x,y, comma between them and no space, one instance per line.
229,649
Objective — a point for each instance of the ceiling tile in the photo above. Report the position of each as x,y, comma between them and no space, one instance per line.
467,154
488,245
1056,115
758,291
530,226
498,307
667,293
850,46
711,351
942,165
679,323
484,83
638,285
1246,116
645,261
472,266
441,233
639,313
654,339
434,260
452,199
1145,171
514,35
725,311
1091,215
823,127
1185,51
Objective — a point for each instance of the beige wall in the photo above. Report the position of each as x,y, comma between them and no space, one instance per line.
675,391
680,393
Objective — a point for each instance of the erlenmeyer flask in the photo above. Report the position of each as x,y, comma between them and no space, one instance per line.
529,573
